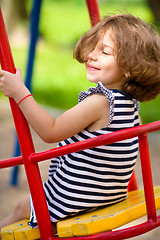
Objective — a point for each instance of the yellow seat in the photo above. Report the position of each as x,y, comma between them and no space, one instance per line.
107,218
20,231
99,220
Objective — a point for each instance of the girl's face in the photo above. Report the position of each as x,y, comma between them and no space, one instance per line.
101,64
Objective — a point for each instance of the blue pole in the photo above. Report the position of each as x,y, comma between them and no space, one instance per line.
34,33
34,29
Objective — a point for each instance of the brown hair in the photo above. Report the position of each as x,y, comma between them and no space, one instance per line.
137,52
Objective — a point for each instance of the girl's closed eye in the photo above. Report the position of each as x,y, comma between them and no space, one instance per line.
106,53
107,50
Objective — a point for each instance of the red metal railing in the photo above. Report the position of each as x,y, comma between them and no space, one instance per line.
147,177
30,159
26,143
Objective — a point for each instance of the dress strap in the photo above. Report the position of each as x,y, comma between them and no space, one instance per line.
100,89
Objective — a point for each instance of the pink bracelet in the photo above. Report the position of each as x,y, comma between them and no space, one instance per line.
24,98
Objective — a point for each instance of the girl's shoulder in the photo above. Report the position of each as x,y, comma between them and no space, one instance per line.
98,89
110,94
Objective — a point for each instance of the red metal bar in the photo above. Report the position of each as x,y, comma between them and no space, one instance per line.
26,144
125,233
147,177
93,11
96,141
132,183
11,162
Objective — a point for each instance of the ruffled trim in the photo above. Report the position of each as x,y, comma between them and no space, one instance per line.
137,105
100,89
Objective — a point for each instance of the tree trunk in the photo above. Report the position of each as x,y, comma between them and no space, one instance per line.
14,12
155,7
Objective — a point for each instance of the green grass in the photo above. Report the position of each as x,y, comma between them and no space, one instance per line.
58,78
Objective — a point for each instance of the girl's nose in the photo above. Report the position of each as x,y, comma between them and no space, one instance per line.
93,55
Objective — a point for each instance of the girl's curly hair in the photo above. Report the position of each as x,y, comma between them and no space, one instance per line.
137,52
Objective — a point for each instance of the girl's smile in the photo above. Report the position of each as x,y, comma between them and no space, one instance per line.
91,68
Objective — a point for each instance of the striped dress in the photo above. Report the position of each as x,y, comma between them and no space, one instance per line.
94,177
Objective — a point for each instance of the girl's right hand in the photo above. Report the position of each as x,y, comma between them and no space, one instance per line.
12,85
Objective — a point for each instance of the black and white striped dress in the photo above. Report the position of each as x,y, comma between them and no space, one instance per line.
94,177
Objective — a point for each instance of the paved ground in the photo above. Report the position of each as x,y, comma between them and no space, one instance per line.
10,195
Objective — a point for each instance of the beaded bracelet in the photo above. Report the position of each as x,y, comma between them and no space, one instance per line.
24,98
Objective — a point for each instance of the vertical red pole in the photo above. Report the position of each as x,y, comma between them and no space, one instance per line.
26,144
147,177
132,183
94,14
93,11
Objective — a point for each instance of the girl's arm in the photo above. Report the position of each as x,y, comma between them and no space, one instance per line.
89,111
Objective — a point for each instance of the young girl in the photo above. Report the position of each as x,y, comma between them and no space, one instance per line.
122,56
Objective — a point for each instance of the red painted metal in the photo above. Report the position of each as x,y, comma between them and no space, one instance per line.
120,234
11,162
147,177
132,183
93,11
96,141
26,143
107,139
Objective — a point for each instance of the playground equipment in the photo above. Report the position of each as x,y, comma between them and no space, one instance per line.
99,223
34,33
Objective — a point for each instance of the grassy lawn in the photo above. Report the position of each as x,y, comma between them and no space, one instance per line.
58,78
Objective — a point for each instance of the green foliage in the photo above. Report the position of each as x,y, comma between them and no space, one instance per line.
149,111
58,78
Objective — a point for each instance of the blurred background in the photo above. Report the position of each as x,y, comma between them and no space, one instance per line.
57,77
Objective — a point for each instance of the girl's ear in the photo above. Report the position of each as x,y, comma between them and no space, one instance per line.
127,75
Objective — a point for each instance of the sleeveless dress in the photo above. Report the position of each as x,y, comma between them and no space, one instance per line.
94,177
